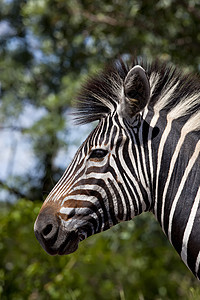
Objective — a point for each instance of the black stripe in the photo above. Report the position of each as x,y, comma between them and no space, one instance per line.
101,183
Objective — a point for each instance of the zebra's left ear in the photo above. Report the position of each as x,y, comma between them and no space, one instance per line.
136,92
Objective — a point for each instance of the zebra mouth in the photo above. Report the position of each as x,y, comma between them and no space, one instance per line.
58,246
70,244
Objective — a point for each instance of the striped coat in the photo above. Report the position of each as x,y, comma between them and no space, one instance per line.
142,156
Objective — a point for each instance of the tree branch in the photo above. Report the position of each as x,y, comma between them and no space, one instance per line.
107,20
13,128
12,190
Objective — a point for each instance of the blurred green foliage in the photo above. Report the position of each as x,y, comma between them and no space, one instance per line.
131,261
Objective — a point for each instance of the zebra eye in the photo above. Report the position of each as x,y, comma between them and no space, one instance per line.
98,153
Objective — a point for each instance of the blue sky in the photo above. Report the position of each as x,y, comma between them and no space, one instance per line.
16,154
16,151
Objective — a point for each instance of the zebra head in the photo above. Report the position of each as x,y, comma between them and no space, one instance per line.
144,155
105,183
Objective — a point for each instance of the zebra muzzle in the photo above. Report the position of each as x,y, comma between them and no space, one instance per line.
52,237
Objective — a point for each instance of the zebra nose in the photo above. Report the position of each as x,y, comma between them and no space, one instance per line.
46,229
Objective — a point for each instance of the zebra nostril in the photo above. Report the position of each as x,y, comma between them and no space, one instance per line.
47,230
47,227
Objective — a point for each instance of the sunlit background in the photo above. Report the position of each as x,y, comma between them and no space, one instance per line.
47,50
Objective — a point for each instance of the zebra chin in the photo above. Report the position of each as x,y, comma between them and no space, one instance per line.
53,237
65,244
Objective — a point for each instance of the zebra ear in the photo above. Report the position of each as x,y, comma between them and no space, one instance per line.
136,92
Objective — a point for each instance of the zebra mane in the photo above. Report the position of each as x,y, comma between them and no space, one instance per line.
170,89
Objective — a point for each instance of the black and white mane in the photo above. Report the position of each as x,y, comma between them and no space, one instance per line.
169,88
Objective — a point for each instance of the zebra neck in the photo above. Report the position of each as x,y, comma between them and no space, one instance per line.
174,162
138,158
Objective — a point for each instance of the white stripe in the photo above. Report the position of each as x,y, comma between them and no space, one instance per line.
160,153
164,98
87,187
135,198
66,210
184,106
66,186
100,132
146,186
152,125
197,264
114,198
186,128
184,178
129,174
153,80
61,187
189,226
139,172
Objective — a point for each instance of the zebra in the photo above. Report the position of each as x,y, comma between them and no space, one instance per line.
143,155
